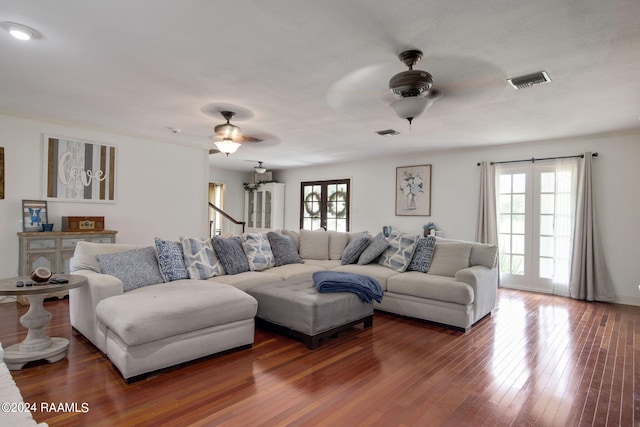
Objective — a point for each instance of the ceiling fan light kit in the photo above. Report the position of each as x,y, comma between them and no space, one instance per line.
414,87
259,168
227,146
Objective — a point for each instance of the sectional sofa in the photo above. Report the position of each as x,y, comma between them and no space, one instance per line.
150,307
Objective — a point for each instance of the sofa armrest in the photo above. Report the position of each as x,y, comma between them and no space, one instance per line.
84,300
484,282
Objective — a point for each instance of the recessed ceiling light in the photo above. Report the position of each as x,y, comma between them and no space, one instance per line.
19,31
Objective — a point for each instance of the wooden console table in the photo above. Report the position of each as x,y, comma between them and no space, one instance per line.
53,250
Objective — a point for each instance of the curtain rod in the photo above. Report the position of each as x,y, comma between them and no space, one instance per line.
532,160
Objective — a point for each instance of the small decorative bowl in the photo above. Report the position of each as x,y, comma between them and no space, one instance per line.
41,274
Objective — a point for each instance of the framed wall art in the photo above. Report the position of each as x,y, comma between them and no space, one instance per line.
413,190
34,214
79,171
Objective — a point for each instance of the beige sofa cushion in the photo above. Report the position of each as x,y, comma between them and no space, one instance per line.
338,240
449,257
377,271
314,244
428,286
177,307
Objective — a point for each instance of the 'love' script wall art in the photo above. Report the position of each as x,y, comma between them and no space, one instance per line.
79,171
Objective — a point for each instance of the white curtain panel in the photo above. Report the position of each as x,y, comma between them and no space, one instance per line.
589,276
564,221
487,225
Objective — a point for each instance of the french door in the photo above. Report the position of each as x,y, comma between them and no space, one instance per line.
536,210
325,204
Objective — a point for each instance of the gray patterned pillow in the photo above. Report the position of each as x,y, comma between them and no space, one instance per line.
136,268
231,254
199,258
354,249
284,249
170,260
400,251
376,246
258,251
424,253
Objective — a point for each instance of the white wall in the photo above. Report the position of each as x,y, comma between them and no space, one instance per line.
455,192
161,187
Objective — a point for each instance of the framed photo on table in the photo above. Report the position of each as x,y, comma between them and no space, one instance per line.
34,214
413,190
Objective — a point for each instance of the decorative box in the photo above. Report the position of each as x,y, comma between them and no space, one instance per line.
82,223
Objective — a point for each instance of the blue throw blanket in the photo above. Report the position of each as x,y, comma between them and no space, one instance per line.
367,288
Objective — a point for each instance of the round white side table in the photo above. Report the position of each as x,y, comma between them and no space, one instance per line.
37,345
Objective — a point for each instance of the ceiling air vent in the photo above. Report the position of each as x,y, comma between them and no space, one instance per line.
387,132
529,80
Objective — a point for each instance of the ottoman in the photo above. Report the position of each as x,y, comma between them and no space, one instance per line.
297,308
162,325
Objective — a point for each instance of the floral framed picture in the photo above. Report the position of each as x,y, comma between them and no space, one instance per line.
34,214
413,190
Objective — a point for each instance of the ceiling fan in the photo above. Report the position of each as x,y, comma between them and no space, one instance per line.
228,137
467,82
415,88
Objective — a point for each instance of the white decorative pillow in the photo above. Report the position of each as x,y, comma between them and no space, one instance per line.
258,251
314,244
400,251
200,259
449,257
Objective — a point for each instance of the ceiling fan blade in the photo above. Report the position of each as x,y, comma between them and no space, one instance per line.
214,151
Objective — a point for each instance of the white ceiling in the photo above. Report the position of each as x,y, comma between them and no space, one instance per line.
312,76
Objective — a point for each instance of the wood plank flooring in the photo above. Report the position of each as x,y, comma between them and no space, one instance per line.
538,360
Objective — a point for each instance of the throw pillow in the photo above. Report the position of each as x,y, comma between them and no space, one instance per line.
375,248
483,254
231,255
258,251
283,249
314,244
424,253
294,235
450,257
135,269
171,260
400,251
200,259
354,249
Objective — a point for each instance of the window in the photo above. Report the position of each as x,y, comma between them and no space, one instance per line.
536,209
325,204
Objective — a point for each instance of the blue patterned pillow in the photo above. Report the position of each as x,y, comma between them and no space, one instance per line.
376,246
354,249
199,258
170,260
424,253
258,251
284,249
231,254
400,251
135,269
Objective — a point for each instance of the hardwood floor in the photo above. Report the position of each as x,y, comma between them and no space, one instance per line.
538,360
